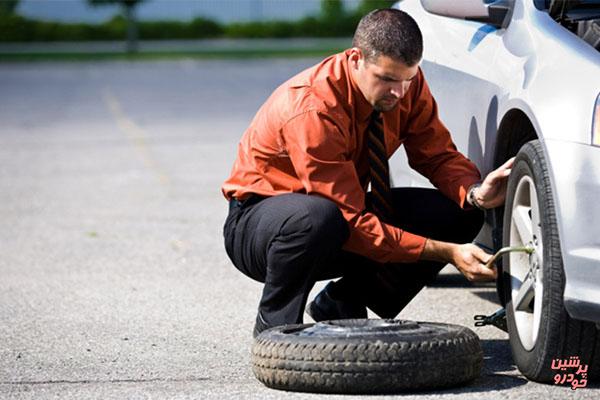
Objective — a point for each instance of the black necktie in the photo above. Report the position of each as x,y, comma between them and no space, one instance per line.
381,193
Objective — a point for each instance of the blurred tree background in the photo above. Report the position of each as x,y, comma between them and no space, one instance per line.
7,7
129,13
333,20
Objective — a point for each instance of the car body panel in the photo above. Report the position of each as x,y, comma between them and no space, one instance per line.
479,75
577,183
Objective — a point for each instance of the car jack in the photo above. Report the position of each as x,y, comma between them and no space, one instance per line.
498,319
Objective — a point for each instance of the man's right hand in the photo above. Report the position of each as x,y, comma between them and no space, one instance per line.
467,258
470,261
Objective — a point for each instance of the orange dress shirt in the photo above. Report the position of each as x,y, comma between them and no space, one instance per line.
310,137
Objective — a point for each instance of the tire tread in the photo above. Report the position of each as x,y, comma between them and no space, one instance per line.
361,365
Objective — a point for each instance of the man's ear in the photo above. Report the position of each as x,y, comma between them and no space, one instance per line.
355,57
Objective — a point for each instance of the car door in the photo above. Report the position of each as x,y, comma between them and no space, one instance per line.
458,65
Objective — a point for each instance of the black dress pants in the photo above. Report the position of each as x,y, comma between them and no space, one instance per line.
290,241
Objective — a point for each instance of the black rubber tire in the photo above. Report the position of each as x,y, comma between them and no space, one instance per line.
559,335
517,132
366,356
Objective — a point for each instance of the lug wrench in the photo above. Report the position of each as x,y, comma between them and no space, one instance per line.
505,250
498,319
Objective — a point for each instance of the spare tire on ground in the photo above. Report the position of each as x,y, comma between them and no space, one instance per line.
366,356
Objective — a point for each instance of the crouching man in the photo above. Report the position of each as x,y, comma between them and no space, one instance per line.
310,198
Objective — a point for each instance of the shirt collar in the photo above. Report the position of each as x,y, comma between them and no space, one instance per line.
362,107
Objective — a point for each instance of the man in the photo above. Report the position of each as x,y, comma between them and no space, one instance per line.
300,210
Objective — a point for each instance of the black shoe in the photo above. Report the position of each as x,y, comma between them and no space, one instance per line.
259,326
325,307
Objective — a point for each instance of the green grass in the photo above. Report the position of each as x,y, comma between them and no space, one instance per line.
170,55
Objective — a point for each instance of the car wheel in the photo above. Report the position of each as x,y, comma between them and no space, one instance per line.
539,327
366,356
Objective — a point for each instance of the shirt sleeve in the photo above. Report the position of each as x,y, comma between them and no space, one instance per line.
319,151
432,153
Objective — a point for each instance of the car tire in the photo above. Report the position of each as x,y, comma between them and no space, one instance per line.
366,356
539,327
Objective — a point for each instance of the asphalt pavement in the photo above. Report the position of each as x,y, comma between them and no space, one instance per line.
189,45
114,283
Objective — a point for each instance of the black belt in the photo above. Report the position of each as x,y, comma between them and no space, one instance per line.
251,200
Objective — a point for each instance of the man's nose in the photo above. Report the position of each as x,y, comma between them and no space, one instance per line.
399,90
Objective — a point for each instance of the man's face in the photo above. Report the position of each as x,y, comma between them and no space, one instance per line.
384,81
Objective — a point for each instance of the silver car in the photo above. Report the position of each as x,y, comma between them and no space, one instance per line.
522,78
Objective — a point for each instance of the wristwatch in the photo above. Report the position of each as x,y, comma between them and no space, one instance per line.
471,197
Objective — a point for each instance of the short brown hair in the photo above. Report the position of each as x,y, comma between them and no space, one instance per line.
389,32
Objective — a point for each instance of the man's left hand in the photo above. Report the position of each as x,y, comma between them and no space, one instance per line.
492,191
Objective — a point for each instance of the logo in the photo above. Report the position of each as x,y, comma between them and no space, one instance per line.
574,373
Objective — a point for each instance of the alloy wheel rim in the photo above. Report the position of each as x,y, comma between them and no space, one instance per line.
526,270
